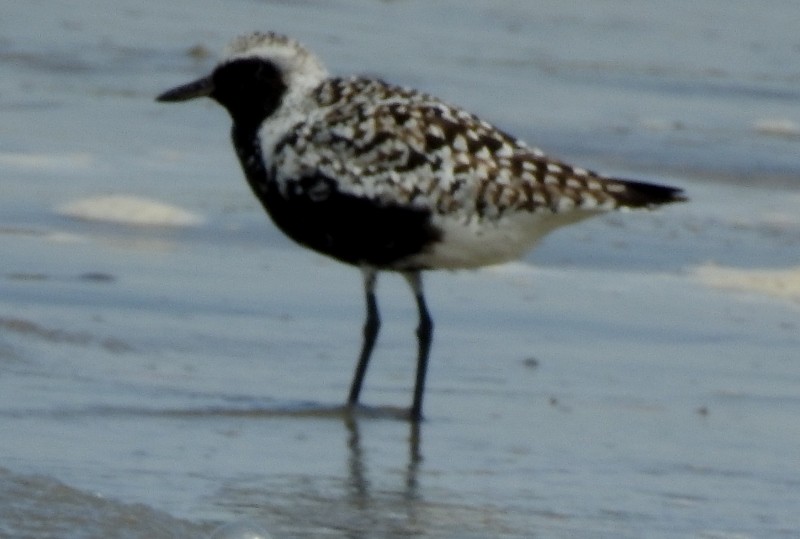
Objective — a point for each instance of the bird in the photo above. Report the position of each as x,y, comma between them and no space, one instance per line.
388,178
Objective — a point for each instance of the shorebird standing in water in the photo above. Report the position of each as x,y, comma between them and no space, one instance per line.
387,178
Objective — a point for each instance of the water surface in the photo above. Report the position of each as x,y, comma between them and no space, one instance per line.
165,380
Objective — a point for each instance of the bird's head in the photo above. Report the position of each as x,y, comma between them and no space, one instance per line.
258,74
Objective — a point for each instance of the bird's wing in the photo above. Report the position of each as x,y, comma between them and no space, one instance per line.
422,153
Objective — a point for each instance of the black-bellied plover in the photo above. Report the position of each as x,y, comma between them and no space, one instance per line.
388,178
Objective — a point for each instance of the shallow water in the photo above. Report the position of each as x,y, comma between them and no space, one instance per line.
163,381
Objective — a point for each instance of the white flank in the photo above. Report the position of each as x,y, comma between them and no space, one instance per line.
475,244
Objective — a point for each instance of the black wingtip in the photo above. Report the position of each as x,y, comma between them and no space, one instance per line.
643,195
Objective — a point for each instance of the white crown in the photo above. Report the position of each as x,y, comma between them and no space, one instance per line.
300,68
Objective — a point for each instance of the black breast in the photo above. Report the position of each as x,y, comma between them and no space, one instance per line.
352,229
314,212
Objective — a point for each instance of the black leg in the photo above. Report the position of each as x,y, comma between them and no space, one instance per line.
424,339
371,327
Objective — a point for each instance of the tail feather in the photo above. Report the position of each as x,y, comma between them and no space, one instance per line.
636,194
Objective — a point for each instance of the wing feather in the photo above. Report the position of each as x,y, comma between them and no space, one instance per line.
400,148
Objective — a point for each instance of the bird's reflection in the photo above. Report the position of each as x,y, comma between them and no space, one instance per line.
414,459
358,474
361,495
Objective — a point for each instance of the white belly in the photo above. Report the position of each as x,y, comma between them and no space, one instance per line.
482,243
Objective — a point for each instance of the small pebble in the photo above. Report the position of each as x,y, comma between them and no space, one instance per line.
531,362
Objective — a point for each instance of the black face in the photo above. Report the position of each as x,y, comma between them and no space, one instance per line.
251,89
